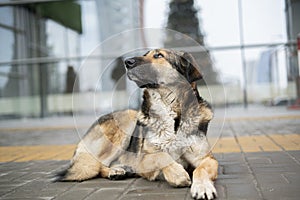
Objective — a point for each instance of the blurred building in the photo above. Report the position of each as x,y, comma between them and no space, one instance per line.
41,39
114,18
269,69
27,36
28,74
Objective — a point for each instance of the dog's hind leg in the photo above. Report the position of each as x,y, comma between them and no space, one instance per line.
83,167
104,142
90,159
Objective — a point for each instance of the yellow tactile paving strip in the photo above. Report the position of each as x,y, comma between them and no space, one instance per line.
261,143
39,152
263,118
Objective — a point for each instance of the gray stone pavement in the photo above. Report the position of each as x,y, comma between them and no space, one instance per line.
271,175
243,175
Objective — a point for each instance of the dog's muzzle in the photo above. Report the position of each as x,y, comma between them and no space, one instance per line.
130,63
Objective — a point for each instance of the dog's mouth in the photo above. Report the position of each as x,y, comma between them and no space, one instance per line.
143,76
142,83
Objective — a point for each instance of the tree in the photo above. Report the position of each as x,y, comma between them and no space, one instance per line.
183,18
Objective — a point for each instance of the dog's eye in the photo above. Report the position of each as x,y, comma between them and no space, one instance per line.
158,55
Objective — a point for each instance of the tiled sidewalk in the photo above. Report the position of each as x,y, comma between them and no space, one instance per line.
271,175
259,158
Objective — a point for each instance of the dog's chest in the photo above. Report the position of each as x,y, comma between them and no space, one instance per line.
160,132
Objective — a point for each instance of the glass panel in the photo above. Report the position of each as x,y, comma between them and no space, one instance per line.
6,16
56,39
264,21
89,39
19,95
6,54
6,41
219,25
228,63
229,66
267,75
73,43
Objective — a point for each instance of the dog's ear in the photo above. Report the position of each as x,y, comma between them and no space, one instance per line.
189,67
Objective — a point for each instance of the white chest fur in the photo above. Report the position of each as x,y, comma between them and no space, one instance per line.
161,134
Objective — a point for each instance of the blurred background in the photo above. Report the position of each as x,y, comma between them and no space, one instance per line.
58,58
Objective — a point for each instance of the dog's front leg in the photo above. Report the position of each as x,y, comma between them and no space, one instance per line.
205,172
203,176
151,165
176,175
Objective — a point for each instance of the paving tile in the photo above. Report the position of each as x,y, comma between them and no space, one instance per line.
75,194
288,142
104,183
233,157
10,176
279,191
242,191
143,183
163,193
275,168
150,190
164,196
295,154
292,177
19,193
25,198
270,178
276,158
224,145
234,179
106,193
259,160
235,169
221,190
59,186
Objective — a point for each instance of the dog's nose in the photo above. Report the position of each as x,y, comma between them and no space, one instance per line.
130,63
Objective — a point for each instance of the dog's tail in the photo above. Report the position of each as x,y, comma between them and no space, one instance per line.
83,167
61,176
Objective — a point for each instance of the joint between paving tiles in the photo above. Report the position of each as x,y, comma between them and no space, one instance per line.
91,193
292,157
255,182
124,192
65,191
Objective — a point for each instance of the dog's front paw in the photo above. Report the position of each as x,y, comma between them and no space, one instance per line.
176,175
204,189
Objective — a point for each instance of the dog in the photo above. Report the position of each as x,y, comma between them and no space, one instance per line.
166,138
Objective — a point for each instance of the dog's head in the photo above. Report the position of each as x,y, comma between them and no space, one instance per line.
162,66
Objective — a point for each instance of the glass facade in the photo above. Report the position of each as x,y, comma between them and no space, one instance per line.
250,48
30,76
49,68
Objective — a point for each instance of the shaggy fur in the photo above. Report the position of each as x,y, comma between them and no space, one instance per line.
167,136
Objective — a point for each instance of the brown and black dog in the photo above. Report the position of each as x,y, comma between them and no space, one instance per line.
167,136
